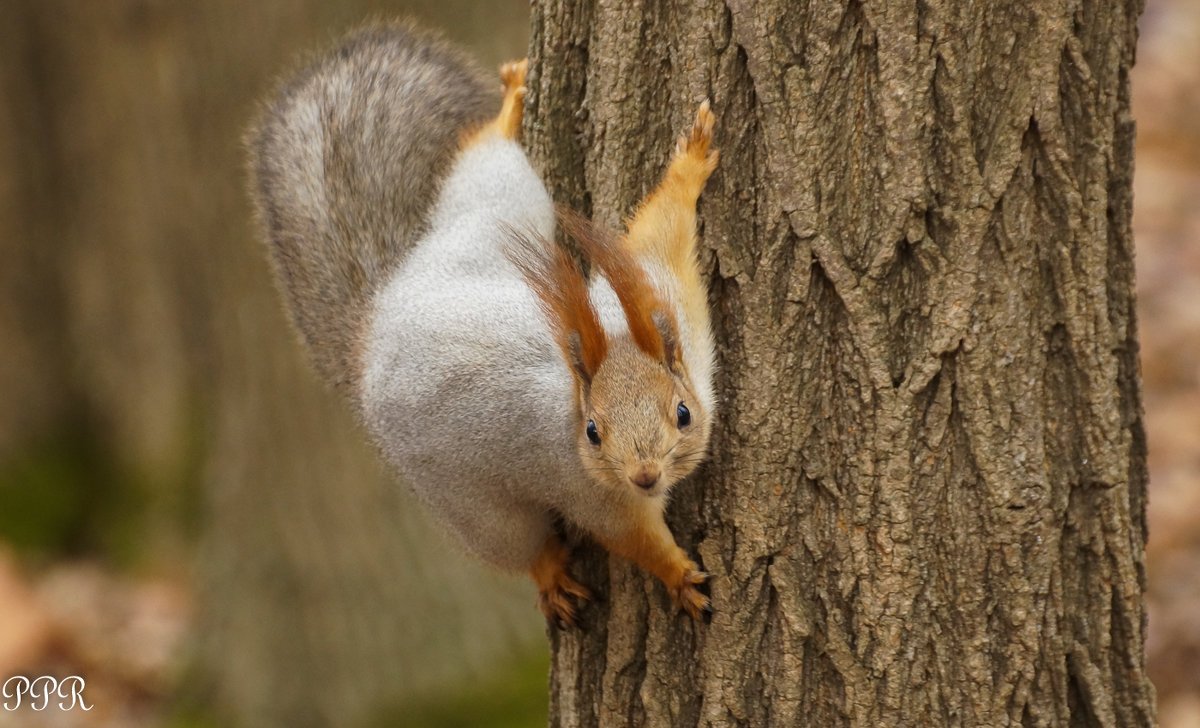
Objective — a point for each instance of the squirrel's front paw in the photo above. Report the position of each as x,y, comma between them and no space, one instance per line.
685,591
560,598
557,591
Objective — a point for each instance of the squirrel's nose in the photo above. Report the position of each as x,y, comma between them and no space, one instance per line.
645,476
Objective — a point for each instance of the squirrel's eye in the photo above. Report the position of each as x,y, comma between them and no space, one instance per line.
593,436
685,417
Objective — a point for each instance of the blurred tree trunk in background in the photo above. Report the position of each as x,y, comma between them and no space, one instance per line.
926,502
139,311
32,358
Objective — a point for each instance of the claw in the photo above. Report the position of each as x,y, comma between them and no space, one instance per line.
686,594
694,158
559,595
508,123
513,73
560,603
696,143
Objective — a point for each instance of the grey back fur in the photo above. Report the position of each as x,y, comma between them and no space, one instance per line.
345,165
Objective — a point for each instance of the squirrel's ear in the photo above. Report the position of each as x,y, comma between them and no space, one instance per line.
637,294
562,295
670,338
575,360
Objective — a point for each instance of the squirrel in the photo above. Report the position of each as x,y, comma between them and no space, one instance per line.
414,247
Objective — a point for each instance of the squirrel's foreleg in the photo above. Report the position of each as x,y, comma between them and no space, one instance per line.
647,542
557,591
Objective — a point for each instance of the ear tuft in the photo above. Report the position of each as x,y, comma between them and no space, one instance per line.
638,297
562,295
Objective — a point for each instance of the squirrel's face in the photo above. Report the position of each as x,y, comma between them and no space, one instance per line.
641,426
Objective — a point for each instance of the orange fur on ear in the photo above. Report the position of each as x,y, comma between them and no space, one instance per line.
563,297
637,295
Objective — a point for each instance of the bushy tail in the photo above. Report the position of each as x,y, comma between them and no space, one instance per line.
345,164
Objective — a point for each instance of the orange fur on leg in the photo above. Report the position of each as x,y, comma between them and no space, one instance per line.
557,591
648,543
664,226
666,218
512,111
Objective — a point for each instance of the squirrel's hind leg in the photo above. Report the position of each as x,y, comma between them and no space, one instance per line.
512,112
558,593
663,229
507,123
664,224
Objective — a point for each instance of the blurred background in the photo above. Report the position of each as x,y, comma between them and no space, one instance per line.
193,524
188,519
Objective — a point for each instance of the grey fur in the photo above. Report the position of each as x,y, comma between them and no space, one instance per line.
345,165
464,388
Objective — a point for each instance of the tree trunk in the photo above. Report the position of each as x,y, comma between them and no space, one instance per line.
926,499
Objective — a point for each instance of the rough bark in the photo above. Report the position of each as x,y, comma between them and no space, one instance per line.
925,504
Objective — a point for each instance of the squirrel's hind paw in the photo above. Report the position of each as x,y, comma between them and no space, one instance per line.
513,74
697,143
694,158
508,123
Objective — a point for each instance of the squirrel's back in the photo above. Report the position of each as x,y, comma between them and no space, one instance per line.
345,165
